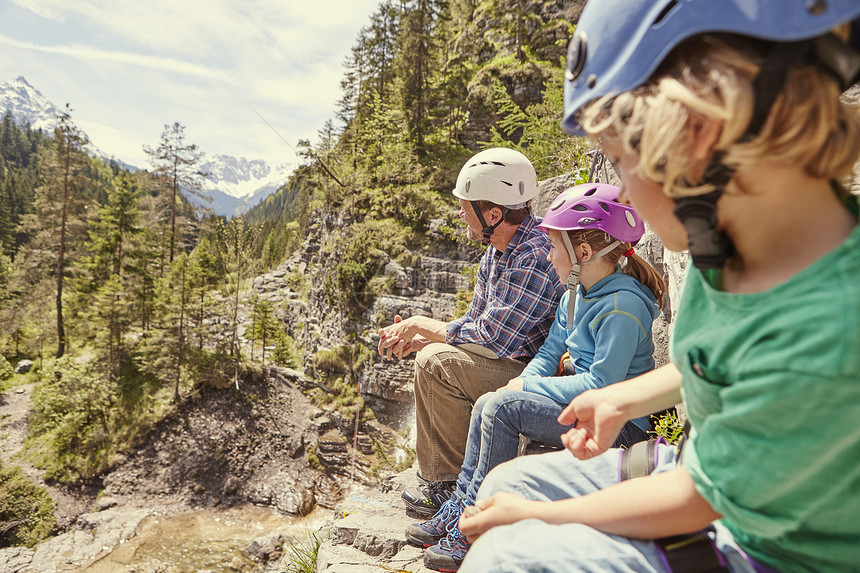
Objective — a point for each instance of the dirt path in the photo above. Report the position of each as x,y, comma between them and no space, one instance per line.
14,407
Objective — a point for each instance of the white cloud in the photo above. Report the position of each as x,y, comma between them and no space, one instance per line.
39,9
129,67
89,53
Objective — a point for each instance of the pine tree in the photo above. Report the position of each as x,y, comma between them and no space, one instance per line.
265,326
112,235
176,161
60,204
203,273
238,241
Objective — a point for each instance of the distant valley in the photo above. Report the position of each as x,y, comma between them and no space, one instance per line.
235,184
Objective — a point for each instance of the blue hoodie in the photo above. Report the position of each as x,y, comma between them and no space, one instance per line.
610,342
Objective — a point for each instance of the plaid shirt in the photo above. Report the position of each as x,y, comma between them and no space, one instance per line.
516,295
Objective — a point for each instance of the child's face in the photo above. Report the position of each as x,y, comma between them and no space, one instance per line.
558,256
647,198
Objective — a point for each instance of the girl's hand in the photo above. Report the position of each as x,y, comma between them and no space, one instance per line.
515,384
595,424
502,508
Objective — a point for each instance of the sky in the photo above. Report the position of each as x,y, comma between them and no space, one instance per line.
130,67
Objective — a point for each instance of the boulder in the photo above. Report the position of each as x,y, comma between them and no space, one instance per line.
23,366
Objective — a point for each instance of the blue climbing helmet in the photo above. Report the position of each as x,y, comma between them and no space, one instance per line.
619,43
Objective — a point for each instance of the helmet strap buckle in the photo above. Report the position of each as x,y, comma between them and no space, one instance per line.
572,283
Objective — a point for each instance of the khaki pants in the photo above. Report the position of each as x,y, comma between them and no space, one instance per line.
448,380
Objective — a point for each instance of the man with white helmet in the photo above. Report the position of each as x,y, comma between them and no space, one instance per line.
515,296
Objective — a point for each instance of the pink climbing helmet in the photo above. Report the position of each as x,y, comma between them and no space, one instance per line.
593,206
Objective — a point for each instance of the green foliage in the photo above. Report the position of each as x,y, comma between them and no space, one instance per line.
26,510
313,458
298,283
385,462
668,426
81,420
535,131
464,297
348,358
6,369
426,83
301,557
72,420
264,326
287,352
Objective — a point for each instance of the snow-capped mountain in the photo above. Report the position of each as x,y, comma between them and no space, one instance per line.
27,105
248,181
235,184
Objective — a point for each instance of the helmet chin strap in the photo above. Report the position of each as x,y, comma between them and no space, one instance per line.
575,269
488,230
709,247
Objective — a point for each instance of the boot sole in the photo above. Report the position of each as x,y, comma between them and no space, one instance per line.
419,543
420,509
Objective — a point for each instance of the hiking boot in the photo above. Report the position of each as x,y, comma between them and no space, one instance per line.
448,554
427,499
433,530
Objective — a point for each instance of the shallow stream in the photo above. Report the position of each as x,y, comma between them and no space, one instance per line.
205,541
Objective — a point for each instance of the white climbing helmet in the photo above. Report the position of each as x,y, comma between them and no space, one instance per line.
499,175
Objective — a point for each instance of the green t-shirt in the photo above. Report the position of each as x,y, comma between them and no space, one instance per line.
771,383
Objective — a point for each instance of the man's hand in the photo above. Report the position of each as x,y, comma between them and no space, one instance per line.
515,384
395,339
410,335
502,508
595,424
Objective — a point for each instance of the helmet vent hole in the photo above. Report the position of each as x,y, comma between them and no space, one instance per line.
467,186
603,206
579,208
522,188
558,204
508,183
664,12
630,220
590,192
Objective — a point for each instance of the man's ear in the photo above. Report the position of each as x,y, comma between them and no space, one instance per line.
495,215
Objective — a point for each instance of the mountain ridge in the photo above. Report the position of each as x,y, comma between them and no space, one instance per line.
234,183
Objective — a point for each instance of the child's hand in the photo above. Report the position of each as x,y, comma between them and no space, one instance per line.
515,384
502,508
595,425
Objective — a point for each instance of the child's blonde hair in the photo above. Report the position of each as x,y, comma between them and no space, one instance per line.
807,125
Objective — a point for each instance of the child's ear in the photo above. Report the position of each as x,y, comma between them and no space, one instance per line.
705,135
586,251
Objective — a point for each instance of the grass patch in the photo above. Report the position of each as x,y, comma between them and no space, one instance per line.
301,557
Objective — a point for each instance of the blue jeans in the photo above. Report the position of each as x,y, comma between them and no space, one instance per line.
534,546
498,419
